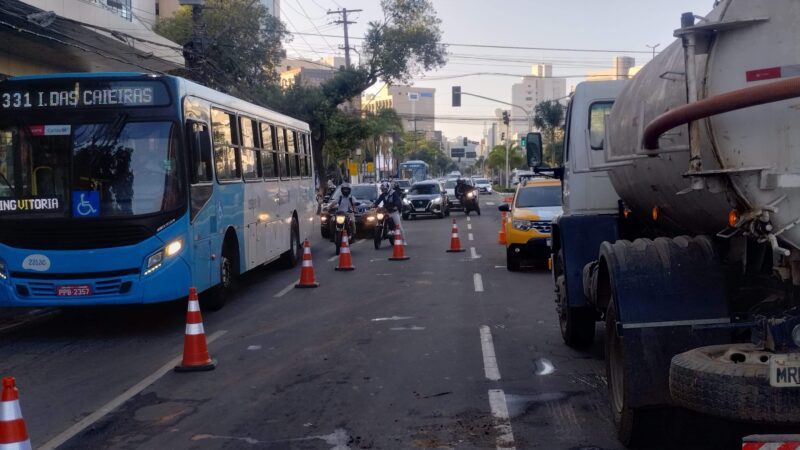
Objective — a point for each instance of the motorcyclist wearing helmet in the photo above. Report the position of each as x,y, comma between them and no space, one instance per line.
347,204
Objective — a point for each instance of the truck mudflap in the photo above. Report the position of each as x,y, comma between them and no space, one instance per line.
578,238
662,290
733,381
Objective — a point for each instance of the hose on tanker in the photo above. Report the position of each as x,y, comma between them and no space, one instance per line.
718,104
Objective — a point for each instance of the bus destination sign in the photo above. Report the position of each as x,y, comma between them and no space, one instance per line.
83,94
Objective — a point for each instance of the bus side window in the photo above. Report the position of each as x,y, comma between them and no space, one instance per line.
199,143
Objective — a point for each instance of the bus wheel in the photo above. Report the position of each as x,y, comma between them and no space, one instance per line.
215,299
295,252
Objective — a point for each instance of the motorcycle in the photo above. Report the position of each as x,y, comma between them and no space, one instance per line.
343,222
469,201
384,227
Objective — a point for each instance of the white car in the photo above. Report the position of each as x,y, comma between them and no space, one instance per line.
484,186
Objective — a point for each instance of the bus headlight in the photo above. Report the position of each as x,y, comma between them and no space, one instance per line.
173,247
154,262
3,270
796,335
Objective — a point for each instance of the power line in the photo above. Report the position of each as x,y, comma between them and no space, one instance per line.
304,13
301,35
513,47
345,23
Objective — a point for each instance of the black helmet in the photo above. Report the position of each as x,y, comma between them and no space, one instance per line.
346,189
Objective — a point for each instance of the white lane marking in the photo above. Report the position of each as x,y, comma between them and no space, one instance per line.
411,328
478,281
286,289
469,226
118,401
382,319
502,422
333,258
490,368
499,267
544,366
254,347
471,238
469,219
472,253
489,203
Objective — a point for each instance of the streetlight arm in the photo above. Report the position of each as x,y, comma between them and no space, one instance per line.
527,113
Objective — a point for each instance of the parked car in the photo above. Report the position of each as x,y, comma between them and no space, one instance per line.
483,185
426,198
364,194
537,201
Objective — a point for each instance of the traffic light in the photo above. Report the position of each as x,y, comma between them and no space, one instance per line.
465,142
505,118
456,96
502,135
522,142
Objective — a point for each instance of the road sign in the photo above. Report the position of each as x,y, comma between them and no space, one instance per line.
456,152
413,96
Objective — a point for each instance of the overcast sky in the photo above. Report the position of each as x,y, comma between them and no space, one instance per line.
625,26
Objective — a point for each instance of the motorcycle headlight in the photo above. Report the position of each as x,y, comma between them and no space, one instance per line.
323,218
380,216
437,200
470,194
340,219
370,218
522,225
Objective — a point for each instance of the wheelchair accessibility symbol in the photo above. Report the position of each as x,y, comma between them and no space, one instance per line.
85,203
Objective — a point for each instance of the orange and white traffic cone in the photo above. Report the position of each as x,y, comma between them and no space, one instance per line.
345,259
13,433
501,236
398,252
307,279
195,351
455,241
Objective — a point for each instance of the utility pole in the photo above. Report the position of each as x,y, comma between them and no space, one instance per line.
653,47
193,50
507,121
345,22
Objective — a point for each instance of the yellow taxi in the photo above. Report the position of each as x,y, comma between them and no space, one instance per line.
536,202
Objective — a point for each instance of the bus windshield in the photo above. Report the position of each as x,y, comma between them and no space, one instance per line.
89,169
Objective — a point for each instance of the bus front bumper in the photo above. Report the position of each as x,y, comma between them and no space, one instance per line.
25,288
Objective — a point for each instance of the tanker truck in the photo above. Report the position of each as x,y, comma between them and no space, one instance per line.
681,198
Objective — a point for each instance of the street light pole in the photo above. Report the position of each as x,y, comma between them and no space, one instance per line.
508,150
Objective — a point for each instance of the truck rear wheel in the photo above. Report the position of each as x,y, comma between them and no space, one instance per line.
731,381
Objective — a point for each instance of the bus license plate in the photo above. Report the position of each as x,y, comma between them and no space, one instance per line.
74,290
784,370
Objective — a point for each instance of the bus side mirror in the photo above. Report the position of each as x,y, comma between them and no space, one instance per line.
533,149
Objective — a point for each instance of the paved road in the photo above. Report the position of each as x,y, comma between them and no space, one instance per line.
442,351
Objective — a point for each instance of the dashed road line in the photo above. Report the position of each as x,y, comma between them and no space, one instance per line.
469,219
469,226
489,203
473,254
502,421
471,238
118,401
490,368
478,281
333,258
286,289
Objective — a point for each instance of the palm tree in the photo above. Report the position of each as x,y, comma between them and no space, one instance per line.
549,117
380,127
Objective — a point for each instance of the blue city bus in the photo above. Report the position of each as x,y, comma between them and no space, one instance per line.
120,188
413,170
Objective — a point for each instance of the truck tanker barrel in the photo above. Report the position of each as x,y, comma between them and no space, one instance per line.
747,158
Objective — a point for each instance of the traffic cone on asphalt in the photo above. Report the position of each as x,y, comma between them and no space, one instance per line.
398,252
307,279
501,236
455,242
195,351
345,260
13,433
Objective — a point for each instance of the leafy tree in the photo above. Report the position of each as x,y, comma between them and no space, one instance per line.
497,158
242,46
405,42
379,128
549,116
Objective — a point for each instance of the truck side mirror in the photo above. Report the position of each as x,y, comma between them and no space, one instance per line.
504,207
533,149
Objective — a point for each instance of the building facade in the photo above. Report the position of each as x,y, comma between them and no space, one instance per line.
309,73
533,89
622,68
46,36
414,105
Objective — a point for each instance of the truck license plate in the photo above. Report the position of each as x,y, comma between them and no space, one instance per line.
784,370
74,290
